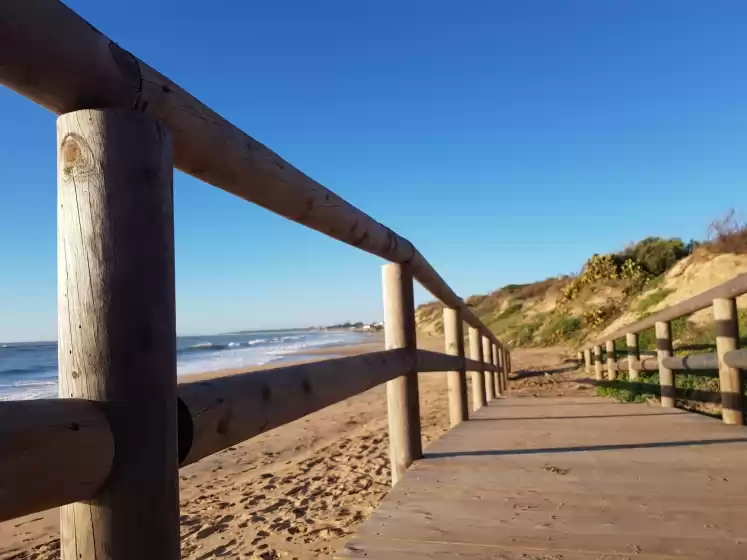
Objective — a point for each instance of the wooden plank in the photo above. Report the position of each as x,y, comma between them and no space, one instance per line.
570,478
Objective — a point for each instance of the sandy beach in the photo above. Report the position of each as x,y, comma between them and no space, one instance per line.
297,491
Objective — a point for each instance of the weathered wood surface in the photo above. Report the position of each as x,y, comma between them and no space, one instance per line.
570,478
403,401
51,55
224,411
456,379
117,325
727,340
54,451
476,375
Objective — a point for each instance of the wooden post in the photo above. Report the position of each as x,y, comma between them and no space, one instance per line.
487,356
730,379
634,355
664,350
403,402
456,381
611,360
499,371
587,360
598,363
478,381
507,366
116,321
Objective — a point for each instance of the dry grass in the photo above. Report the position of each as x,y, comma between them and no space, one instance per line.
727,235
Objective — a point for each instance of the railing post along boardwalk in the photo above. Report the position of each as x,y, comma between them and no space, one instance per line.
634,355
487,356
611,359
727,339
498,377
457,379
403,401
598,362
478,380
117,331
728,359
663,332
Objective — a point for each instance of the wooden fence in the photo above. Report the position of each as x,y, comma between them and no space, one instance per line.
109,450
727,360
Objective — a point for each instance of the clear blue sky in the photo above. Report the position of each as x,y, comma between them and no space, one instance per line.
509,140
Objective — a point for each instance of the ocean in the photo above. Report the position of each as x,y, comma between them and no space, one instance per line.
28,370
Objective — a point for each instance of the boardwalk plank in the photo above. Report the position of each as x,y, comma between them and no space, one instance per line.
569,479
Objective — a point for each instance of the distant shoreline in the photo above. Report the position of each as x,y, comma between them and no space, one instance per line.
319,354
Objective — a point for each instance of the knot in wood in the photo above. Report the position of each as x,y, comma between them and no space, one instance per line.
76,157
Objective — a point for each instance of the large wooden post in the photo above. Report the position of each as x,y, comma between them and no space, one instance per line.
456,381
487,356
730,379
611,360
478,381
634,355
587,360
598,363
116,322
403,402
664,350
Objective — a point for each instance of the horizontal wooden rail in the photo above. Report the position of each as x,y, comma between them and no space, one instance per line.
692,362
737,286
51,55
228,410
736,359
434,362
54,452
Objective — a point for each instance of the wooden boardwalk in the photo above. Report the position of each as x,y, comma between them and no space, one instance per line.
569,478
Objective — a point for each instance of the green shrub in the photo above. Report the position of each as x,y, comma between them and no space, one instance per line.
655,254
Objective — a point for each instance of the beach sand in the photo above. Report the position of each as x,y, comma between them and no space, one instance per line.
297,491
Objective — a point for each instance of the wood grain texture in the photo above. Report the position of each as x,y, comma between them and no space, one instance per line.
52,452
456,379
116,321
403,404
663,332
51,55
634,355
487,357
730,379
571,478
228,410
478,380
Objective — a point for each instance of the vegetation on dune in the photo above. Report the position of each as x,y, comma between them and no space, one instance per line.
570,309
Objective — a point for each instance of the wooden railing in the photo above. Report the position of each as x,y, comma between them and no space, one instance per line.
110,449
727,360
